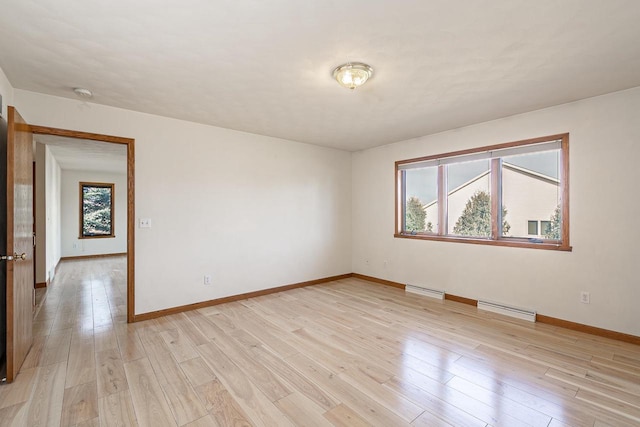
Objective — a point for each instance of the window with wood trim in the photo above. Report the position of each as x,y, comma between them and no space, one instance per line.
512,194
96,210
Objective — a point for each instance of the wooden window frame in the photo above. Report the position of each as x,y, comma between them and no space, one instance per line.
112,187
496,238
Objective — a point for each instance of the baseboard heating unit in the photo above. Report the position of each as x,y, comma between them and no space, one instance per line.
519,313
433,293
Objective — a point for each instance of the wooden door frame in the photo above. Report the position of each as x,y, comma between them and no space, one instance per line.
129,142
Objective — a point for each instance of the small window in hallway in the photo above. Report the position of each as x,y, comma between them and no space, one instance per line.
96,210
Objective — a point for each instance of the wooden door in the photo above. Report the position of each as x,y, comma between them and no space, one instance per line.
19,241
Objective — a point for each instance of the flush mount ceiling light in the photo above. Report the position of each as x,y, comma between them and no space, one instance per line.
352,74
82,92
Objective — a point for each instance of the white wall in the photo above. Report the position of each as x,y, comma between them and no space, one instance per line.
41,214
6,90
252,211
70,211
53,212
604,156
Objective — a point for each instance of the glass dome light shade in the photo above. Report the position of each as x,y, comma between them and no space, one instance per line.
353,74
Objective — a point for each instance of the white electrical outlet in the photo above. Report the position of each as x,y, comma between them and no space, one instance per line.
585,297
207,280
144,223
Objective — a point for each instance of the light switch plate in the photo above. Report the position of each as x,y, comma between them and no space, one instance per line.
144,223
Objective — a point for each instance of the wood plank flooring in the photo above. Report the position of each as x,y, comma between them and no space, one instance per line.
346,353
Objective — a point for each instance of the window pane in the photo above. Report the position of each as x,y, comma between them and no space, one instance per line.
96,211
421,200
531,189
468,199
510,189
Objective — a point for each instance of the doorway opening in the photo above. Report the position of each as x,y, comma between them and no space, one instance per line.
65,139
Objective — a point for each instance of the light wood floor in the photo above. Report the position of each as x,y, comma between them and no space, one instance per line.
347,353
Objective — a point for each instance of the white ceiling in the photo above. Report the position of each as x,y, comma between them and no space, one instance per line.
264,66
84,154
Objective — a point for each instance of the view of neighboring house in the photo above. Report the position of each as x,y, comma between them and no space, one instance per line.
529,197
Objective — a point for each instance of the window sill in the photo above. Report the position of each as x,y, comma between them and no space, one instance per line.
98,236
509,242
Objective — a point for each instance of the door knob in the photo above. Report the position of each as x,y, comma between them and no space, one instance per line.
13,257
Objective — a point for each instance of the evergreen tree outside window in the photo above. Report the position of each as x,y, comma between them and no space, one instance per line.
96,210
475,220
420,193
553,227
416,218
